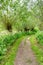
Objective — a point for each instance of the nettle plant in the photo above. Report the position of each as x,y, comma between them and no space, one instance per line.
2,47
40,37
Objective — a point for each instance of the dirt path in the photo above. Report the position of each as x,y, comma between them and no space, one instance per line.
25,55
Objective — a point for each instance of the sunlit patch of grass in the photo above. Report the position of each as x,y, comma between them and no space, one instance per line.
37,50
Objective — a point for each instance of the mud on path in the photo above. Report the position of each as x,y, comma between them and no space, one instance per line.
25,55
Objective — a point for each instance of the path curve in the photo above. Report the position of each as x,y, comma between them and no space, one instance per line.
25,55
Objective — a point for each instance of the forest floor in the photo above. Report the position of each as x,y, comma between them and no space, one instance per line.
25,55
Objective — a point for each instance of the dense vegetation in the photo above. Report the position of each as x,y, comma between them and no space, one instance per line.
40,37
21,18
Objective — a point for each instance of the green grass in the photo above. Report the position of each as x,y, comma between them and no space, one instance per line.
37,50
10,57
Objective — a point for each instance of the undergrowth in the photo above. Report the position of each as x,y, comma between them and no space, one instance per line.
37,50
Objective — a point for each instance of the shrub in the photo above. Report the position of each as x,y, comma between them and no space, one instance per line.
36,29
2,47
39,37
8,40
5,41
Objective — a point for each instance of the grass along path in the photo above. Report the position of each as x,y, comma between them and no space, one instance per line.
25,55
37,50
9,58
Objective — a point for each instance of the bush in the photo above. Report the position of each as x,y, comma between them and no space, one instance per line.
36,29
2,47
5,41
8,40
29,32
39,37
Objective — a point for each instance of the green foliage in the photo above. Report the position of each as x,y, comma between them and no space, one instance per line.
37,50
2,47
6,41
36,29
39,37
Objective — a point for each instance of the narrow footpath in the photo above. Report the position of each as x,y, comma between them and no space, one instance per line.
25,55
